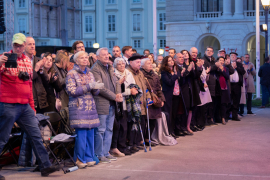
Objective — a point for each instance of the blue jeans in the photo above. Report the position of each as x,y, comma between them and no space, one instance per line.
265,94
24,116
84,145
103,134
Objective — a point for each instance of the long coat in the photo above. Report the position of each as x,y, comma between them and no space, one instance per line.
225,94
153,79
105,75
250,86
82,106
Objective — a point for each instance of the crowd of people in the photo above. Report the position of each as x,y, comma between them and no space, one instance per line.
117,103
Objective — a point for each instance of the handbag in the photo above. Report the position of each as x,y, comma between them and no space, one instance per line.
154,97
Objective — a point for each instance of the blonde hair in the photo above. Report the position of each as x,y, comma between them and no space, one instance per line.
62,59
79,54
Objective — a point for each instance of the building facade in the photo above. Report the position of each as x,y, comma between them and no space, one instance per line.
223,24
107,22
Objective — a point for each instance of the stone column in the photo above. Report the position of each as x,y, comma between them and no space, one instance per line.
227,9
239,9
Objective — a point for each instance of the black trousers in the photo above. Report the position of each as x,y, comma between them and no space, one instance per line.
236,96
119,137
138,133
223,110
201,115
194,116
212,107
218,109
152,124
249,104
174,124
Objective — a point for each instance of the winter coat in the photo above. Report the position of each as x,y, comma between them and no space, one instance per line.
140,81
82,106
129,80
154,82
211,82
225,94
106,97
250,86
264,74
39,92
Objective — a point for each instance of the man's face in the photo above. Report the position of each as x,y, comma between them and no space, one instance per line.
160,58
79,47
180,58
116,52
209,52
247,58
233,57
146,53
194,53
18,48
103,57
128,53
171,53
136,64
222,53
30,47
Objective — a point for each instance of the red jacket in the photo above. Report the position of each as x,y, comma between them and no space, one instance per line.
13,89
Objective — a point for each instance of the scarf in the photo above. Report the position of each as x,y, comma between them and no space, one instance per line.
222,81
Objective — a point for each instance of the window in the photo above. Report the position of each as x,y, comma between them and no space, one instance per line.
111,23
210,5
88,43
251,5
136,1
88,2
88,24
2,46
111,1
43,43
22,25
136,22
21,3
137,43
162,43
162,20
111,44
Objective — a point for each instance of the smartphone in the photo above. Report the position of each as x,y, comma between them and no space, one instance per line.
12,60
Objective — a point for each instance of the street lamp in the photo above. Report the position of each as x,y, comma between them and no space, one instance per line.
96,45
266,6
161,51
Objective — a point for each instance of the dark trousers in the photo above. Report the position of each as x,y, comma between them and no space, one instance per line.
218,109
194,117
223,110
212,107
249,104
265,94
174,124
201,115
120,132
236,96
135,137
24,116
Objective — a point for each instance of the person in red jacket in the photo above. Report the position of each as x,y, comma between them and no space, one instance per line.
17,104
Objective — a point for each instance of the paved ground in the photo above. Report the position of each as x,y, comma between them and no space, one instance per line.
237,151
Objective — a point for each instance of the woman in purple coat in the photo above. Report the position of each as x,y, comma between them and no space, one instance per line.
81,86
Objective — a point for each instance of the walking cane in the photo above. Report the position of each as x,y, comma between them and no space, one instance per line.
142,137
150,102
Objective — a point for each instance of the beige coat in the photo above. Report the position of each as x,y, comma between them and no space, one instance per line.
141,82
250,87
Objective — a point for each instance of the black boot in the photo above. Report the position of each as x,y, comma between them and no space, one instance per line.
2,177
46,171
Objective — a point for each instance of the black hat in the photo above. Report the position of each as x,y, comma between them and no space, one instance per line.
135,56
234,53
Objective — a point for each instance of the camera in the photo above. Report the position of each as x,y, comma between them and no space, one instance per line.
12,60
24,76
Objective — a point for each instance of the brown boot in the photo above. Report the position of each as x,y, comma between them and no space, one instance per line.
223,121
80,164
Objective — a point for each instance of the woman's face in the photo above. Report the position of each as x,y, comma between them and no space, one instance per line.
121,66
221,61
148,66
82,60
48,62
151,58
186,56
170,62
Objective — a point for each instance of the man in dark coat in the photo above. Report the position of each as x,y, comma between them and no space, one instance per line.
236,80
209,62
264,74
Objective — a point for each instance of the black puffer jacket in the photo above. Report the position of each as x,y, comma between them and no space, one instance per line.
264,73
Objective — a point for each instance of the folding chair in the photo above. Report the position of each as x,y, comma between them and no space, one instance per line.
55,118
65,122
13,138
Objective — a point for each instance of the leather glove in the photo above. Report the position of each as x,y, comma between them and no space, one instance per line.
96,85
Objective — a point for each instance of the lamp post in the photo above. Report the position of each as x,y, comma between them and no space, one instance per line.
96,45
266,6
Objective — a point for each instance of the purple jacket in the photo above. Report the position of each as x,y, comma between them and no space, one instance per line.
82,106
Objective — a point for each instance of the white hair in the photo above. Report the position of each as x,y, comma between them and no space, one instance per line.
143,61
117,60
78,54
101,49
193,48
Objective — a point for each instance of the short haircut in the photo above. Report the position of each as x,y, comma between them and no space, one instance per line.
146,50
134,50
116,46
46,54
248,55
78,54
266,59
75,44
125,48
209,47
173,50
101,49
117,60
143,61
